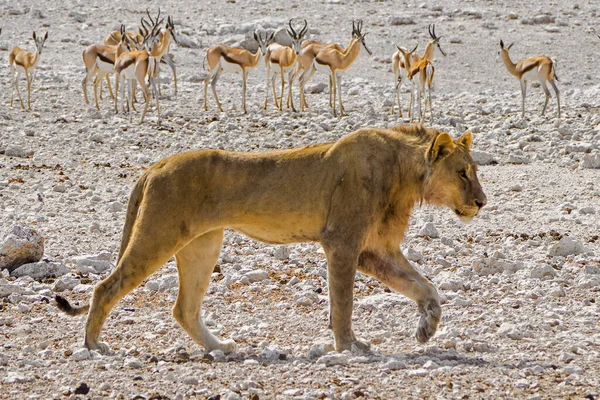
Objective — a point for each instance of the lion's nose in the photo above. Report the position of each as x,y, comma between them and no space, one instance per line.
480,203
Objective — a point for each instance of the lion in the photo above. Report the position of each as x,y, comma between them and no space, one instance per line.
353,196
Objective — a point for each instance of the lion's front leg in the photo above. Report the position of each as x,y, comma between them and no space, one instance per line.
394,271
341,272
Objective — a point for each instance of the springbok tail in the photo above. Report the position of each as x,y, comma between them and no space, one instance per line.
554,70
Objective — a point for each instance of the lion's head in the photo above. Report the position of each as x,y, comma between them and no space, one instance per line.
453,180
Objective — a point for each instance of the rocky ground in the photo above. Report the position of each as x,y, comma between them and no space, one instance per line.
520,283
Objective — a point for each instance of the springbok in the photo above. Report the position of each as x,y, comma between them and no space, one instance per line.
221,58
281,60
21,61
538,68
334,62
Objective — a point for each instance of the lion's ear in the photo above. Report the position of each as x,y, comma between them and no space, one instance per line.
440,148
466,140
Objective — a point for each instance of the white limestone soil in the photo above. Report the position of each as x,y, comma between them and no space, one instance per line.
521,307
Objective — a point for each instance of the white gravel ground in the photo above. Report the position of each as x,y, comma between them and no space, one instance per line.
520,284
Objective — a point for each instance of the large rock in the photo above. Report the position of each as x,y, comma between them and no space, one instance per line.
22,245
40,270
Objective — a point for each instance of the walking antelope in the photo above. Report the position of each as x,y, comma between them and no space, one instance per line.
135,66
426,72
335,62
221,58
398,67
99,63
281,60
540,68
310,49
21,61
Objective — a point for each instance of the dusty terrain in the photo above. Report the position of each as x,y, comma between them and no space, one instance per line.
521,307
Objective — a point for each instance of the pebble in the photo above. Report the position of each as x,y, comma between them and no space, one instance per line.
133,363
566,246
319,350
80,355
543,271
333,358
95,263
510,330
429,230
115,207
17,151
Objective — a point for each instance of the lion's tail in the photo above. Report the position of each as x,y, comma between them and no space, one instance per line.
66,307
132,211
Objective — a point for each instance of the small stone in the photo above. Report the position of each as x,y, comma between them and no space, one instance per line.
566,246
257,276
333,358
590,270
115,206
17,151
557,292
272,354
190,380
133,363
81,354
543,271
429,230
319,350
483,158
96,263
413,255
218,355
510,330
65,282
83,388
282,253
401,20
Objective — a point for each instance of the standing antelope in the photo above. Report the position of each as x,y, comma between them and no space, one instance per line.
399,69
310,49
160,51
334,62
281,60
99,62
113,39
539,68
135,66
22,61
221,58
426,72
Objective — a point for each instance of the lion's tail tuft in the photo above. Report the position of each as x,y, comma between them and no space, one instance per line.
66,307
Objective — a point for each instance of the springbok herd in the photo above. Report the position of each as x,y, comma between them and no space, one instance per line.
135,57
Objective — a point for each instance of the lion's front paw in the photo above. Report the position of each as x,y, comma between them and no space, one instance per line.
98,346
228,346
428,322
359,346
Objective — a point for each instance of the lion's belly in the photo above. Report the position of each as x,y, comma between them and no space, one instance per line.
281,232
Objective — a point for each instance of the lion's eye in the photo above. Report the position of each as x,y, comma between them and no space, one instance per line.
463,174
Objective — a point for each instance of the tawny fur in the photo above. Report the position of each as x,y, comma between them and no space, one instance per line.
353,196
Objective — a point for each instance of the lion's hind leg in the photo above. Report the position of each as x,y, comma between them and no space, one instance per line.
394,271
196,262
143,256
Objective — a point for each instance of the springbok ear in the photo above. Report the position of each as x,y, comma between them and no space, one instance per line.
440,148
466,140
46,37
501,44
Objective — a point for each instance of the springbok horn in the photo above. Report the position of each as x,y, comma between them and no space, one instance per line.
149,16
303,31
292,29
415,49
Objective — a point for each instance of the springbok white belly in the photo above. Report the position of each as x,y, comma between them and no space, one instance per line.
531,75
230,67
129,72
105,67
321,68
